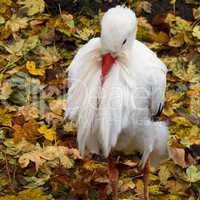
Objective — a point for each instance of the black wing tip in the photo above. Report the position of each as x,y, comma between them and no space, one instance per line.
156,117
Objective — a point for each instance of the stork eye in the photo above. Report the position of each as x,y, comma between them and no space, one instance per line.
124,42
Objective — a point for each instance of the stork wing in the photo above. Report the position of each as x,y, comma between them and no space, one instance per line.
76,67
158,87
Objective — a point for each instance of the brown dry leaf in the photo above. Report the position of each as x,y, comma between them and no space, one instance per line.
164,174
176,187
6,90
48,36
196,31
143,5
31,129
58,106
130,163
84,33
126,184
177,23
139,187
32,7
49,55
29,112
49,153
34,157
177,40
161,37
15,23
69,127
196,13
19,133
178,156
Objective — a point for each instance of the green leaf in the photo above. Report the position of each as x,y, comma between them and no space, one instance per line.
193,174
2,20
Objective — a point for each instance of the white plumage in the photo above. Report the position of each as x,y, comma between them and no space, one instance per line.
118,114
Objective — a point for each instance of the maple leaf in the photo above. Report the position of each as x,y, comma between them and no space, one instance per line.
35,157
49,153
30,66
48,133
34,7
19,133
178,156
49,55
58,106
5,117
196,31
15,23
6,91
193,174
29,112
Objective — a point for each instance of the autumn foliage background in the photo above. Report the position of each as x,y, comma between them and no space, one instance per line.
38,155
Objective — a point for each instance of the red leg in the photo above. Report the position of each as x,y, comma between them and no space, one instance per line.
113,174
146,180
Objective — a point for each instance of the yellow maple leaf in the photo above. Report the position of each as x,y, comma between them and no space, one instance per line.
48,133
30,66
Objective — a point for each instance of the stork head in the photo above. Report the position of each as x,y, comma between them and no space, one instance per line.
118,30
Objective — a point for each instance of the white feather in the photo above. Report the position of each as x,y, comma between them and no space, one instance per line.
117,115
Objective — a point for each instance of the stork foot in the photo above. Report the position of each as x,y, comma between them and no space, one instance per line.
146,180
113,175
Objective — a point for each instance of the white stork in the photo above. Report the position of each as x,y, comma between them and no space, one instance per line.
116,91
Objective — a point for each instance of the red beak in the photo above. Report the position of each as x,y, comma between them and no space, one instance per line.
107,62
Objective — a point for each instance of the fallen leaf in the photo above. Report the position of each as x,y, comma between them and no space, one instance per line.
35,157
33,7
49,153
49,55
126,184
30,66
19,133
196,12
36,194
5,117
84,33
2,20
196,31
161,37
164,174
178,156
193,174
177,40
6,90
154,189
177,187
29,112
58,106
170,197
48,133
15,23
